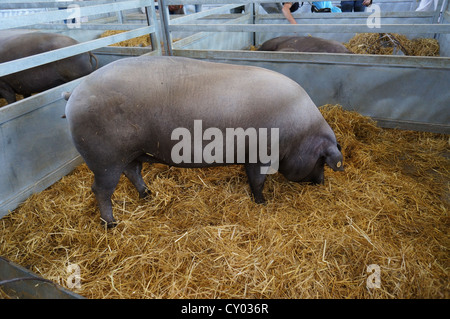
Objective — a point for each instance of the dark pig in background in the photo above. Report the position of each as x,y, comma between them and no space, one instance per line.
127,112
43,77
303,44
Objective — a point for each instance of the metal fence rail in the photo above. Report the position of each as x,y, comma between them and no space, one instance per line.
313,28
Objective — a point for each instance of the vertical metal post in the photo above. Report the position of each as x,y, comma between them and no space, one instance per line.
164,17
437,15
119,15
254,22
150,13
437,12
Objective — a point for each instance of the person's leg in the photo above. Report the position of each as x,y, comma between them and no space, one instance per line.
347,6
359,7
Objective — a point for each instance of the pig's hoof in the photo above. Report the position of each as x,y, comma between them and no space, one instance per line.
260,200
144,194
109,224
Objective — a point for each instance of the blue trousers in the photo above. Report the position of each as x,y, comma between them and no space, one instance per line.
349,6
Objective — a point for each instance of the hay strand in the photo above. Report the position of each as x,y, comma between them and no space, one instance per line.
199,235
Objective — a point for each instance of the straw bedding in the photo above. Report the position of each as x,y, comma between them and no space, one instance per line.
141,41
3,101
199,235
384,43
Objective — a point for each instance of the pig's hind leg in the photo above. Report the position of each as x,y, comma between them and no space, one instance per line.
105,182
134,173
256,181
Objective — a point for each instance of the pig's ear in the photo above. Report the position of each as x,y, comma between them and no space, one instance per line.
334,158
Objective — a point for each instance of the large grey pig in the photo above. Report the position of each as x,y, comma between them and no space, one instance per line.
42,77
131,110
303,44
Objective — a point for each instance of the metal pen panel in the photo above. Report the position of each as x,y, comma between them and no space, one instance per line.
54,55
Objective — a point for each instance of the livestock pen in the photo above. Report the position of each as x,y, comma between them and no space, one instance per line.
199,235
